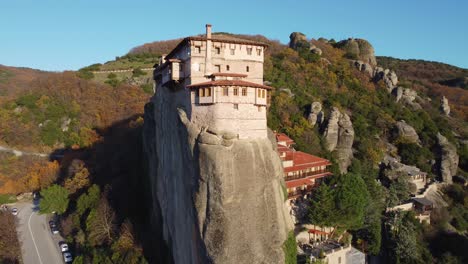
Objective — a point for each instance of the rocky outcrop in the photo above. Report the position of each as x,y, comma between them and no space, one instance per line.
359,49
448,159
339,136
216,198
316,114
315,50
406,132
444,106
297,39
389,78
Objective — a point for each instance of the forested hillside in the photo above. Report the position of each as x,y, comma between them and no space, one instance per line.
98,121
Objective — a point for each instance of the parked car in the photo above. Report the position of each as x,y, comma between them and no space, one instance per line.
63,246
67,257
14,211
53,227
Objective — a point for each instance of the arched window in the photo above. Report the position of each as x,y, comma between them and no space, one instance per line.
247,69
208,92
259,92
263,93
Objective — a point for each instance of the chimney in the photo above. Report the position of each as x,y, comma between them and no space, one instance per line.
208,31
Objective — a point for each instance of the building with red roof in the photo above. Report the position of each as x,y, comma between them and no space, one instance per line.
302,171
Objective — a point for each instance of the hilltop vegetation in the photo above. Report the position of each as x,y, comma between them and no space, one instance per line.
97,118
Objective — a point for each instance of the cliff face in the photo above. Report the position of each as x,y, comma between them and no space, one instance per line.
339,135
217,199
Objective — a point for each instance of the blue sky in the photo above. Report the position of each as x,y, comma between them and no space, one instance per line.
69,34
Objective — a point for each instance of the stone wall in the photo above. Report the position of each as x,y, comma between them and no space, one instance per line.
216,199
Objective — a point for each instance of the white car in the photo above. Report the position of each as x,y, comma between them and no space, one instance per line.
64,247
67,257
14,211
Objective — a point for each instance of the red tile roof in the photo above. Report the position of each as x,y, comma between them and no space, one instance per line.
317,232
215,38
304,161
229,83
282,137
298,183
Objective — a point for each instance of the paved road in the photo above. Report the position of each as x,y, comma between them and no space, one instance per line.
37,244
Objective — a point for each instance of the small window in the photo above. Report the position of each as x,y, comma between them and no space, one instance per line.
233,51
259,108
263,93
225,91
236,106
201,92
249,51
228,68
247,69
197,49
208,92
259,52
218,50
259,93
236,91
244,91
218,68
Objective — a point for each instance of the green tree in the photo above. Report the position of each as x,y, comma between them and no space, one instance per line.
88,200
351,199
54,199
322,206
290,249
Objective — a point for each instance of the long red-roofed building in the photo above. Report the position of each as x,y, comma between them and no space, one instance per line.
302,171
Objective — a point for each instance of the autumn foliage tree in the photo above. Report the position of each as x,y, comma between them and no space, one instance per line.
10,251
40,175
79,177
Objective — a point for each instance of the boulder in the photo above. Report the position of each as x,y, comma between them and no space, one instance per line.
297,39
315,50
359,49
444,106
215,198
448,159
406,132
398,93
339,136
316,114
389,77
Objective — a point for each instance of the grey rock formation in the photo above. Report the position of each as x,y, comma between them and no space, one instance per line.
297,39
408,97
314,49
444,106
339,135
216,199
316,114
389,77
360,49
398,93
364,67
406,132
448,159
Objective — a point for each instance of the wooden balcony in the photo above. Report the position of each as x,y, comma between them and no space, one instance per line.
307,174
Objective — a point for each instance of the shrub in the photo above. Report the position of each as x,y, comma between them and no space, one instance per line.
290,249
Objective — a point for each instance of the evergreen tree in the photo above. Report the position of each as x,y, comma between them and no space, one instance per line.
54,199
322,206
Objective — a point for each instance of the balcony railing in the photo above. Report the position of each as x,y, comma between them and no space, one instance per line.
303,192
303,175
